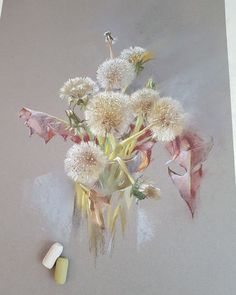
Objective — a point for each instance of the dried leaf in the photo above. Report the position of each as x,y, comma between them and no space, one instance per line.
145,150
99,200
47,126
189,150
187,185
97,204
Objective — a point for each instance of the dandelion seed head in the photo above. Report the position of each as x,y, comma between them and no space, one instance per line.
78,88
107,112
168,118
85,162
143,100
115,73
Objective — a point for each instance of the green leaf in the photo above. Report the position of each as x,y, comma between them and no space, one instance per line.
136,191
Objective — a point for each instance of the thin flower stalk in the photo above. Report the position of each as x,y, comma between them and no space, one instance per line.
124,169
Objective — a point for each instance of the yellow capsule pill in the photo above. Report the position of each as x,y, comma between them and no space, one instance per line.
61,270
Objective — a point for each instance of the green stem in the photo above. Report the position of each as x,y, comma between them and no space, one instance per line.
124,169
137,127
141,132
87,190
126,141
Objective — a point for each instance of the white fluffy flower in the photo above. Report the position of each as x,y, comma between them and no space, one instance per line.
78,88
107,112
85,162
142,101
132,54
115,73
150,191
167,115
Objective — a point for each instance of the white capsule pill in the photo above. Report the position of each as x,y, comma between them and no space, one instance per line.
53,253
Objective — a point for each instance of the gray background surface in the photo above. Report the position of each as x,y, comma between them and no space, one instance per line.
42,44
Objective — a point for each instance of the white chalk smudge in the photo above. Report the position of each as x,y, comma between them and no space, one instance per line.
52,197
144,228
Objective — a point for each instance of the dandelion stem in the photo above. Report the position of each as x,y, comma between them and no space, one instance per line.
110,50
124,169
109,40
87,190
128,140
136,135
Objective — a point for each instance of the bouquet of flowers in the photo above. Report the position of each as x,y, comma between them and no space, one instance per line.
114,132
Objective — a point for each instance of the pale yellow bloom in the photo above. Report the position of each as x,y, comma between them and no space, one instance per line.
137,56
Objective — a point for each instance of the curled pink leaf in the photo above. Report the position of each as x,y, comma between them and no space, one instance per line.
47,126
145,150
189,151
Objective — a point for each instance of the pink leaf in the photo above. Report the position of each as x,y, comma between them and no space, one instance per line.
145,150
47,126
189,151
